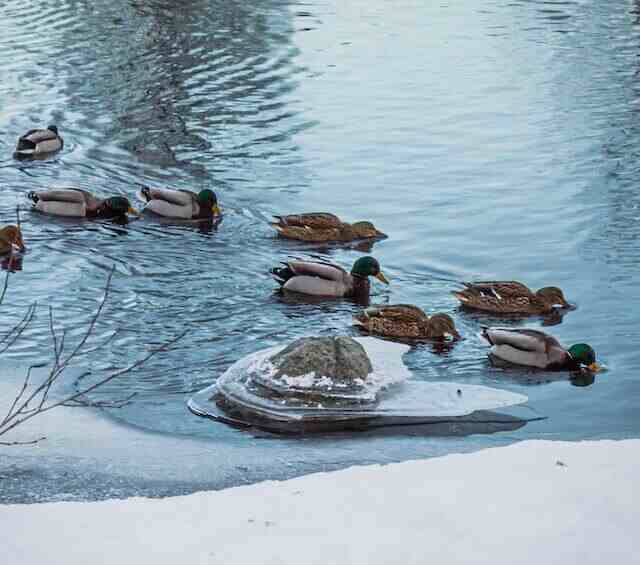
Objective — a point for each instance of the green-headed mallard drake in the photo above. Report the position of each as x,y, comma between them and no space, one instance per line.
405,321
78,203
38,142
510,297
182,204
533,348
323,227
325,279
10,237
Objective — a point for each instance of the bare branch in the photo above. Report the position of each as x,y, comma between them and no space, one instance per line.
22,410
28,442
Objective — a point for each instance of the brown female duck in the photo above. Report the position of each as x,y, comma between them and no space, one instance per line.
510,297
406,321
323,227
10,237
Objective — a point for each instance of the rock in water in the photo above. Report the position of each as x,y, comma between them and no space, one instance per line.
339,358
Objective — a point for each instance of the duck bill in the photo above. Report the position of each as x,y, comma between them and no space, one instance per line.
19,243
594,367
133,211
216,210
380,276
454,334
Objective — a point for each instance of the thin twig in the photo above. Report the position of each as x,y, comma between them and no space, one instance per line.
28,442
116,374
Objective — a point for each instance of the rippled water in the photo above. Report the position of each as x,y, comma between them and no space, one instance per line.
494,139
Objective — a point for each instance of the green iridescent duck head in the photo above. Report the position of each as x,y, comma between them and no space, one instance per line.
208,199
368,267
584,355
118,206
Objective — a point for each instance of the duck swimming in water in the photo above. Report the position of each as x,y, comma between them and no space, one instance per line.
11,238
533,348
78,203
323,227
510,297
325,279
405,321
182,204
39,142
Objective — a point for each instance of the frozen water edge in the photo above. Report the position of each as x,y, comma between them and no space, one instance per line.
532,502
90,456
407,401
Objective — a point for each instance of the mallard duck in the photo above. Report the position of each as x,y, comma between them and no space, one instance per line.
38,142
533,348
405,320
79,203
510,297
322,227
324,279
10,237
182,204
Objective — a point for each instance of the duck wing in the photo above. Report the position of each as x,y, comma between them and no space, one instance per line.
319,220
399,312
327,271
522,339
496,296
503,289
307,233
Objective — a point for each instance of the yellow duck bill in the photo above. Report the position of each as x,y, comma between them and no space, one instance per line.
380,276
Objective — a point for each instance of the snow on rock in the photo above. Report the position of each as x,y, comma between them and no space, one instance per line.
529,503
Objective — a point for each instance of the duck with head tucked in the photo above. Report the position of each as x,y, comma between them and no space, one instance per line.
39,143
316,227
182,204
78,203
405,321
510,297
11,239
536,349
325,279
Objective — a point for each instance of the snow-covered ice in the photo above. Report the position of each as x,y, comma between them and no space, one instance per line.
530,503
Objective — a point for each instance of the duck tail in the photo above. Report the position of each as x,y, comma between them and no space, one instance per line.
460,295
486,335
25,146
282,274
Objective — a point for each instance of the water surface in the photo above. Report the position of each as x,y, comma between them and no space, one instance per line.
491,140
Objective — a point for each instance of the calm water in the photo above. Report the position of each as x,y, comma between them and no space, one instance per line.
494,139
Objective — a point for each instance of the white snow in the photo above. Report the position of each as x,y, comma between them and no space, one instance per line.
530,503
385,357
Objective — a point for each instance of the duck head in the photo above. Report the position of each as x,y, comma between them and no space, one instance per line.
443,324
54,129
118,206
208,199
368,267
553,297
584,355
366,230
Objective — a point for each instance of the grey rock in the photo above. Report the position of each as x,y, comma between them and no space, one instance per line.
340,358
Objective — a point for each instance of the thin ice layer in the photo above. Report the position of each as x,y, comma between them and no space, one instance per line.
406,398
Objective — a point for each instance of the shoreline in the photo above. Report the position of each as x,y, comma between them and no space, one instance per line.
531,502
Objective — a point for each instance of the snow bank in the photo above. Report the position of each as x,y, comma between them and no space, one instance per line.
533,502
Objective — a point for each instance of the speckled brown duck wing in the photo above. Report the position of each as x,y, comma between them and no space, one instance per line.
309,234
500,297
319,220
397,320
